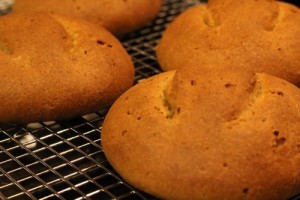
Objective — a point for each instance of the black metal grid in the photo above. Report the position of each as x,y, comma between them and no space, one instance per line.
64,160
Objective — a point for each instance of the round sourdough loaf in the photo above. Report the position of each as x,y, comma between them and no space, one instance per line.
262,35
118,16
54,68
212,135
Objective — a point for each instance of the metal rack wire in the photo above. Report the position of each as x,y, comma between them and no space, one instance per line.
64,160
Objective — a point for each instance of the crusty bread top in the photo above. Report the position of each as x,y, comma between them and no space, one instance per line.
262,35
118,16
218,134
54,67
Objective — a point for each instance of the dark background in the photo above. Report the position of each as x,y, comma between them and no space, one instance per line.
296,2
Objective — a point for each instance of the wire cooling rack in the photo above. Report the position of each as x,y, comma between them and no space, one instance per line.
64,160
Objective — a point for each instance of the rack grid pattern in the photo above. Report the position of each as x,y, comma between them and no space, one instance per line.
64,160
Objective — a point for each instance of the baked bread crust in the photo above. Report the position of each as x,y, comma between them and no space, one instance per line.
55,68
118,16
212,135
262,35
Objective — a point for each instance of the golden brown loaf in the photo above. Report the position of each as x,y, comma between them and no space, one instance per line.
259,34
118,16
54,68
212,135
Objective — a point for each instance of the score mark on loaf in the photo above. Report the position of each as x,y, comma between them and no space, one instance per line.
226,123
259,35
218,134
53,68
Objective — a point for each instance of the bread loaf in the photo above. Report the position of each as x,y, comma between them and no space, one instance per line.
218,134
118,16
261,35
54,68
